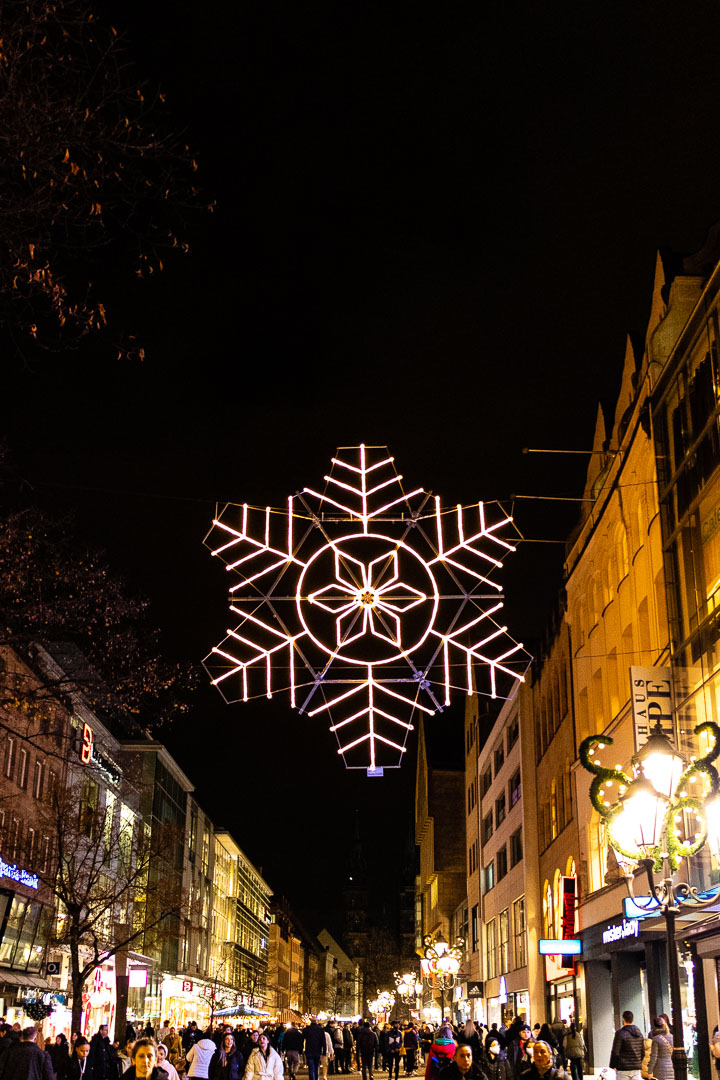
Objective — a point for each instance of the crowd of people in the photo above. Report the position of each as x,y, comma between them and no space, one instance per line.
277,1052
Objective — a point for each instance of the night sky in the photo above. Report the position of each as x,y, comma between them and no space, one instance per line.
434,229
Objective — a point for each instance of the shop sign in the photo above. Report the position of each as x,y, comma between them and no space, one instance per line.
569,894
554,969
16,873
138,978
187,986
502,991
651,694
475,989
627,928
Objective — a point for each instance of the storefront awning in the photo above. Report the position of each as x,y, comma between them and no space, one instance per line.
21,978
241,1010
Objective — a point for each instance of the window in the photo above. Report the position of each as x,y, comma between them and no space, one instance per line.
10,759
88,808
38,779
472,859
499,758
503,942
22,777
488,878
44,857
490,950
474,927
472,796
486,780
192,835
520,932
501,862
516,847
13,838
487,828
513,731
500,810
515,788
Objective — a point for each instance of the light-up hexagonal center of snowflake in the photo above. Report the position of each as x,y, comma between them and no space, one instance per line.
367,599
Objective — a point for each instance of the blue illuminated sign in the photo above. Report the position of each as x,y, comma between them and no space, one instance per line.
641,907
560,946
16,873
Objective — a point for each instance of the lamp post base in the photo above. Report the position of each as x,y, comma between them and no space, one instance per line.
680,1063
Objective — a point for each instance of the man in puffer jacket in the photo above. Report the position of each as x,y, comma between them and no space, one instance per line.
627,1050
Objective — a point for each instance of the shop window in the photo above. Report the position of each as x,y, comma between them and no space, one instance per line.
515,788
490,950
487,827
520,932
487,878
503,942
13,930
516,848
10,748
499,758
23,763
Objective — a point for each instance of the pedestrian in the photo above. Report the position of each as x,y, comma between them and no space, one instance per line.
495,1064
78,1059
349,1045
542,1066
144,1062
102,1062
25,1060
411,1044
442,1050
165,1065
227,1062
328,1058
265,1063
517,1046
627,1049
367,1042
60,1056
464,1065
393,1045
575,1051
292,1045
314,1047
660,1065
338,1041
200,1055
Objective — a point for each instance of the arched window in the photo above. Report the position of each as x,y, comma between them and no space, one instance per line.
547,910
557,906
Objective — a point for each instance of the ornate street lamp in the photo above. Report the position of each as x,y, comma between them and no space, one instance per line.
441,965
649,827
409,987
383,1003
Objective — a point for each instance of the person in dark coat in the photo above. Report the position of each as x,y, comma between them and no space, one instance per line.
463,1066
102,1061
24,1060
543,1067
628,1045
495,1063
367,1043
314,1047
144,1062
60,1056
77,1062
292,1045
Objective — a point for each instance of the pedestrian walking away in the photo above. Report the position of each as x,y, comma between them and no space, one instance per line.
627,1050
25,1060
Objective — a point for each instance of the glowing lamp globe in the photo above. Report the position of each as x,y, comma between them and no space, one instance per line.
660,762
638,826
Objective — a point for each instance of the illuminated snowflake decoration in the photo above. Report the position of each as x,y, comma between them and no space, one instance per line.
365,603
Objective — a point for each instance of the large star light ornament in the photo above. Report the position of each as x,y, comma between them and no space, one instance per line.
366,603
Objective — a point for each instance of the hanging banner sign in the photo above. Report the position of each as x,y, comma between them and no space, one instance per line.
652,700
567,910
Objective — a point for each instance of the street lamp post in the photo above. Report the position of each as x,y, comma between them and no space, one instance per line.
649,827
441,965
408,987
